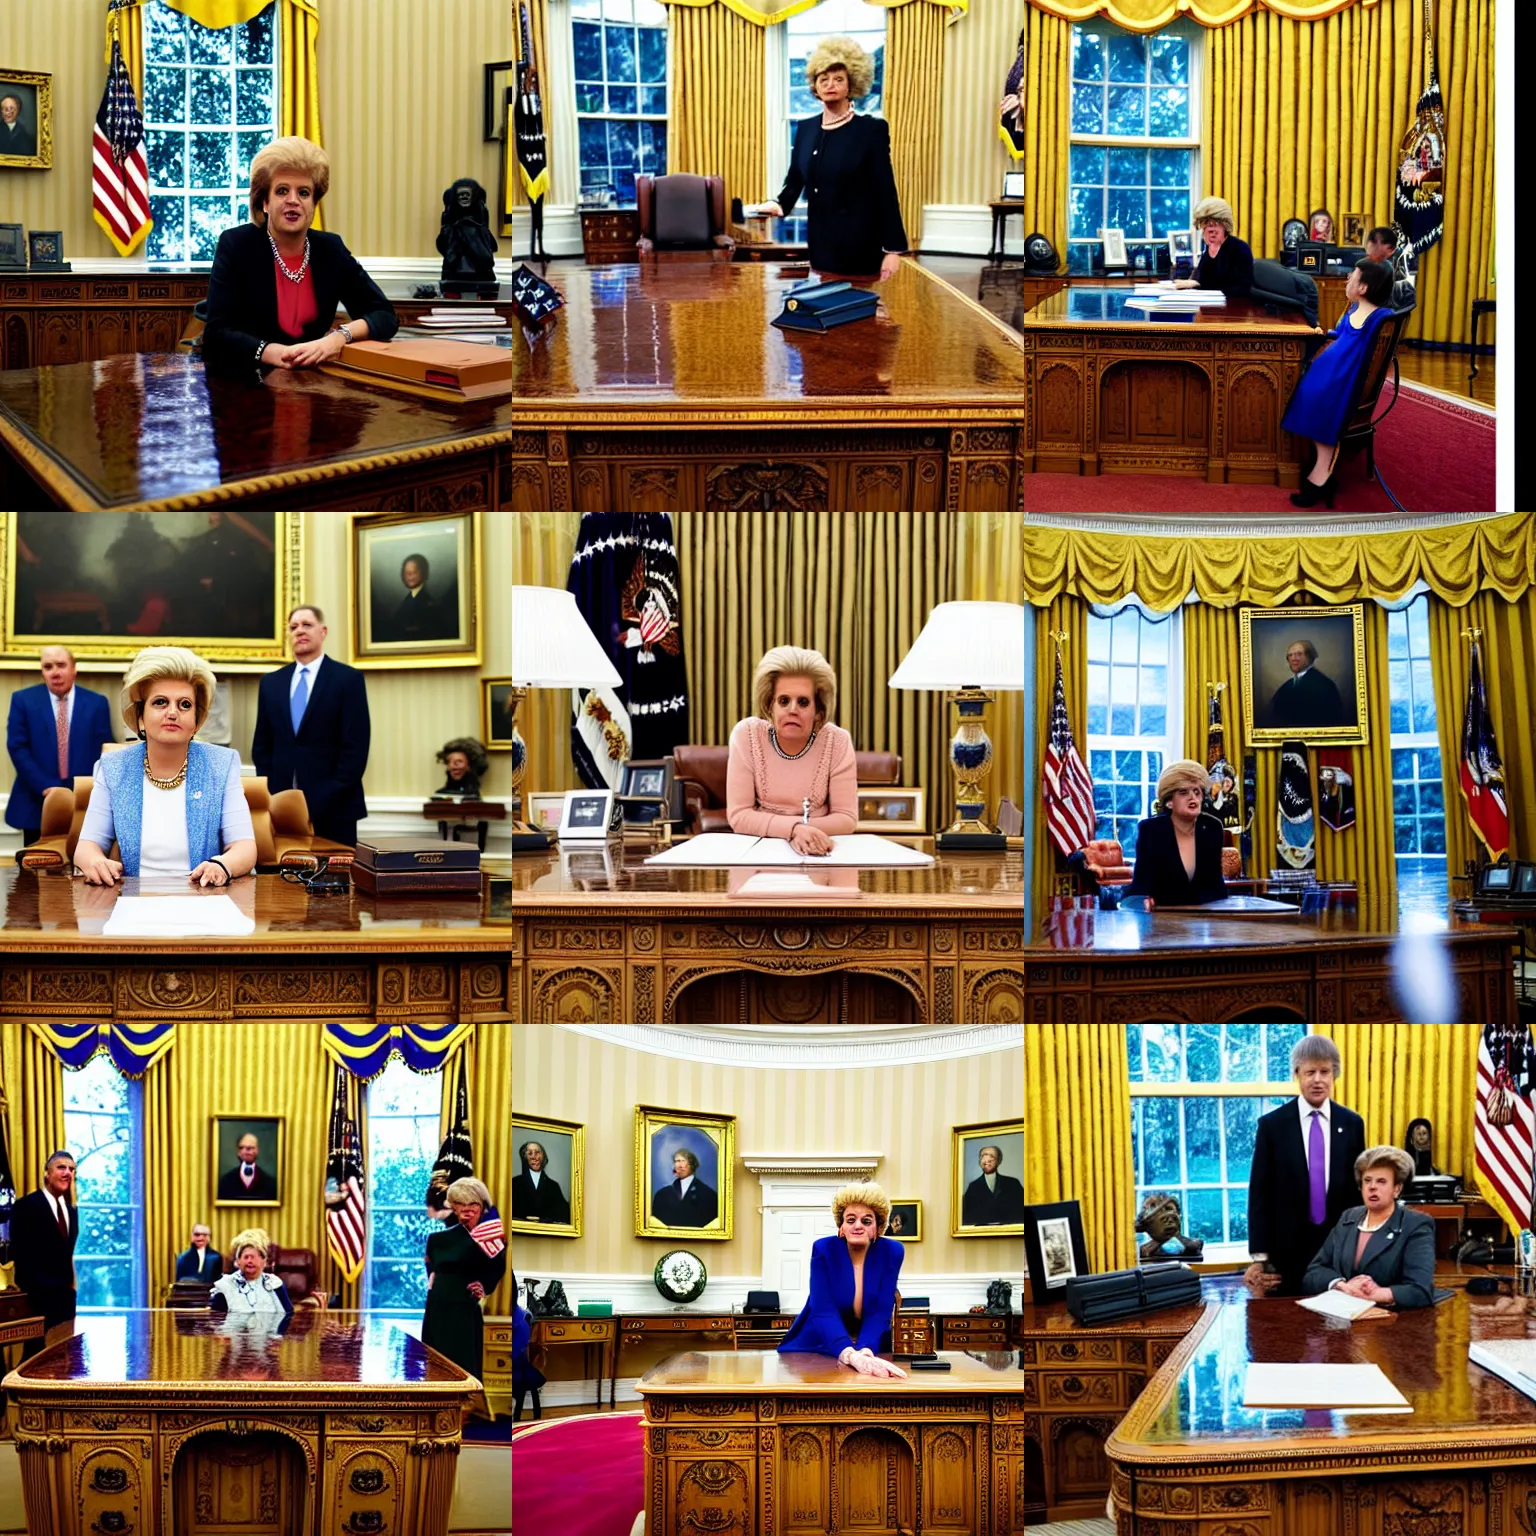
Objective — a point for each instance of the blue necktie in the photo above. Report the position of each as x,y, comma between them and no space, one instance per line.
299,700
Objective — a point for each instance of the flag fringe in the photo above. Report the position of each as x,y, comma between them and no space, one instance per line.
140,235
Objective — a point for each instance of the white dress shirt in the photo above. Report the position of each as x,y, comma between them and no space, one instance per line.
312,668
1325,1109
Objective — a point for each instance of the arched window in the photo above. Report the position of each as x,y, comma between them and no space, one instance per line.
103,1129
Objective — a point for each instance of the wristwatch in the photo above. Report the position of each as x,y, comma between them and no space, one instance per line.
346,330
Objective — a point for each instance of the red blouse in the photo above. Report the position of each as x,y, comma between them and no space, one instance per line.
296,303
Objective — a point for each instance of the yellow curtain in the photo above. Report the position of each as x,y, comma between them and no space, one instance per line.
1069,614
32,1103
914,107
539,28
299,102
769,12
716,122
989,564
1077,1133
1148,15
1455,560
130,31
1509,679
1304,114
219,13
1047,126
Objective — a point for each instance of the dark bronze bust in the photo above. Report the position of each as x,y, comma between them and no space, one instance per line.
465,241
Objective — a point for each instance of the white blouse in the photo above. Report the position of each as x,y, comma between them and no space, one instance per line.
163,848
244,1299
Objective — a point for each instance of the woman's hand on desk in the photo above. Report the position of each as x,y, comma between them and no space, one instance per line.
889,265
769,211
311,354
1185,282
808,839
867,1363
97,868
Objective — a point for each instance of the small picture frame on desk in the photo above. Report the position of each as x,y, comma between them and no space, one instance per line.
45,251
588,815
544,812
1054,1251
1181,246
1355,225
13,248
884,808
1013,184
1309,257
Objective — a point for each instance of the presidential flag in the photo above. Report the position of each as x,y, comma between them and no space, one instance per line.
1504,1124
528,115
1420,200
1295,826
346,1205
1069,814
120,171
1482,770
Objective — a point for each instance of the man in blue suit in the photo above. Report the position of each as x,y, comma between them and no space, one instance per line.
312,730
55,731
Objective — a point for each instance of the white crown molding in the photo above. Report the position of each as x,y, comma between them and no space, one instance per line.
827,1165
798,1047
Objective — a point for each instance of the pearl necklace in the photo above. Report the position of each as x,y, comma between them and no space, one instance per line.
173,783
838,122
789,757
282,266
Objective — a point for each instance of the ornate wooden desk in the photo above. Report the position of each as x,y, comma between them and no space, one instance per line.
346,956
1129,967
585,1333
600,936
1109,390
763,1444
1189,1457
663,386
157,1421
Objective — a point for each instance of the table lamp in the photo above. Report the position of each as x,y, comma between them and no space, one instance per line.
967,649
552,647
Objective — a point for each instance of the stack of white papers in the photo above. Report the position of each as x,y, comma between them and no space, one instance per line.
1340,1388
713,850
177,917
1337,1304
1513,1359
461,319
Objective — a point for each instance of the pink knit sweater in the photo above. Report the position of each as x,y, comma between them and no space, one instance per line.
763,792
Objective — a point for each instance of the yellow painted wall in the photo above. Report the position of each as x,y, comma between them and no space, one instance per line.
413,712
979,51
400,107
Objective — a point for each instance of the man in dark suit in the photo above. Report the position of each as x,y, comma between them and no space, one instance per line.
1308,699
687,1201
15,137
245,1181
201,1261
55,731
1303,1174
419,615
44,1226
312,730
536,1196
993,1198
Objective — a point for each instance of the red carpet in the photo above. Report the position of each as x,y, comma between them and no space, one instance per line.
578,1477
1437,455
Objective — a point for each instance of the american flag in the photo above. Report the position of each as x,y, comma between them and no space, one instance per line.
1502,1128
120,172
1069,814
1482,772
346,1204
489,1233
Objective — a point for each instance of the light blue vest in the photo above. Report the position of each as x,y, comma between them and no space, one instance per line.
208,770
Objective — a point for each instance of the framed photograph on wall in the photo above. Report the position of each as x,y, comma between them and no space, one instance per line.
13,247
1355,226
414,589
884,808
1303,675
498,82
985,1199
906,1221
1054,1251
496,713
547,1187
26,120
248,1159
684,1167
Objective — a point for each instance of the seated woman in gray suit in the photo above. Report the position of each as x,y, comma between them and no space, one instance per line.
1379,1251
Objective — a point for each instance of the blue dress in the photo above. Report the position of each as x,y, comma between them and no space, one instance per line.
1317,408
826,1324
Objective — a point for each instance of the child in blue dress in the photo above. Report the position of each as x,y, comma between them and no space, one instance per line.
1317,408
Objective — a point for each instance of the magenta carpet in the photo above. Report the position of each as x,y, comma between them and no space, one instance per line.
1437,455
578,1477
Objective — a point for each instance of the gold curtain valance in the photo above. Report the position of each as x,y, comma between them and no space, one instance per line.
1149,15
1455,560
766,13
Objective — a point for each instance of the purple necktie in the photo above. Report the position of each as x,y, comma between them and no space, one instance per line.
1318,1171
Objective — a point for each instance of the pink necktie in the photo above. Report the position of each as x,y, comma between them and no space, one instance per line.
1315,1157
63,728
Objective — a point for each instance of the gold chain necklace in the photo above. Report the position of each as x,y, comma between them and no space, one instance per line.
174,783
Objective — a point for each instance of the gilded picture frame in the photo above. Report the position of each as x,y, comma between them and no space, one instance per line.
106,584
34,93
496,713
1330,711
552,1206
874,803
666,1140
906,1220
415,589
226,1132
976,1209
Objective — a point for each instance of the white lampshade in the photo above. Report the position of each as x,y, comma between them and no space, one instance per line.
966,645
551,644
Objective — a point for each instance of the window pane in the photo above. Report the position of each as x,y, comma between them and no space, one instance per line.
621,98
166,152
402,1146
589,97
1397,634
1202,1138
1128,210
167,240
1244,1053
1087,109
207,219
1087,55
1170,61
1429,763
210,160
1170,210
653,99
1127,167
1168,114
619,49
1203,1215
1127,56
588,44
165,95
165,36
1423,697
1087,212
653,55
247,147
1160,1130
1088,169
1127,111
210,95
254,97
1165,1053
254,41
1241,1117
1204,1053
210,46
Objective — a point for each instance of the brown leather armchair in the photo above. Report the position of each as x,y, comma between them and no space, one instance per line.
683,215
701,771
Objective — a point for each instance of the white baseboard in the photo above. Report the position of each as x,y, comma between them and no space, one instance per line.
562,232
964,228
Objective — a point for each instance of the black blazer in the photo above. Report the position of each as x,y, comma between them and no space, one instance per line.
242,296
981,1207
1400,1256
697,1208
331,750
547,1202
1231,271
213,1265
854,215
1307,701
44,1261
1279,1220
1160,871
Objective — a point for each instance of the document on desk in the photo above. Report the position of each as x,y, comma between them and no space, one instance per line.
177,917
1241,906
1513,1359
1338,1387
1337,1304
715,850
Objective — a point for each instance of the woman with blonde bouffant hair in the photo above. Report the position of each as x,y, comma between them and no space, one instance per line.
1178,853
791,772
277,282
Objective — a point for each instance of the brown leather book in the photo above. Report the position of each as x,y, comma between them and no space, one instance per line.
464,370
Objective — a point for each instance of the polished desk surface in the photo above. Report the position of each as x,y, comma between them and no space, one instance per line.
1101,307
149,427
587,877
318,1350
697,335
49,912
1423,1352
767,1371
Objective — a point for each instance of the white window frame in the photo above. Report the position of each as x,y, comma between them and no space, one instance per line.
1402,741
133,1093
578,116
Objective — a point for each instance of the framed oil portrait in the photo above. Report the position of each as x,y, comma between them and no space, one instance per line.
249,1159
1303,672
1054,1251
906,1220
414,589
551,1165
496,713
684,1167
107,584
986,1179
26,120
884,808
